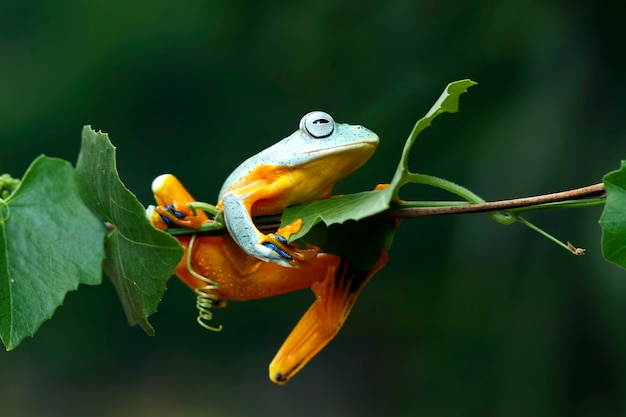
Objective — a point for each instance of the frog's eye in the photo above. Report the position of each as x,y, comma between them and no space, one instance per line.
317,124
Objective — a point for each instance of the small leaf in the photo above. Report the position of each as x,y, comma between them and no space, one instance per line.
335,210
139,258
361,205
50,242
613,219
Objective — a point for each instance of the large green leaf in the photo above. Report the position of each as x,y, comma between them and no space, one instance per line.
50,242
139,258
613,219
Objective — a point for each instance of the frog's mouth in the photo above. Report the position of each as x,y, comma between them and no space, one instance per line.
369,145
335,162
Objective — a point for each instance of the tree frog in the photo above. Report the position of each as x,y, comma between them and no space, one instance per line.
299,169
248,264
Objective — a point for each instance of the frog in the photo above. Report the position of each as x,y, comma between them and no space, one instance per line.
247,264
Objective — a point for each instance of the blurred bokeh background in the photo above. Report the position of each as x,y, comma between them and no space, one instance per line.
469,318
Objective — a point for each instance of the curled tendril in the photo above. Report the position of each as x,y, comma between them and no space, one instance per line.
8,184
5,211
205,300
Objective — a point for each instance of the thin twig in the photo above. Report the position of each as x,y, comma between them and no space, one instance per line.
595,190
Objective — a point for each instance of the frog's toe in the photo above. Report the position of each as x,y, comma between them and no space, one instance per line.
268,252
158,221
281,239
178,215
278,250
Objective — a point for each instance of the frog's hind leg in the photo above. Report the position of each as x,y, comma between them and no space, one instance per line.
335,298
172,209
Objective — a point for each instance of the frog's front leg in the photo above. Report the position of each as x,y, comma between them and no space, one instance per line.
272,247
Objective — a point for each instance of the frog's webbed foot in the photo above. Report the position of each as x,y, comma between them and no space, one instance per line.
172,209
282,253
178,215
336,296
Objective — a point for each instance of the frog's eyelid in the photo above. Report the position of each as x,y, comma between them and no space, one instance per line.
317,124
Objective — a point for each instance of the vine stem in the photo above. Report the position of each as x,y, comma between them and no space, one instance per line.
515,205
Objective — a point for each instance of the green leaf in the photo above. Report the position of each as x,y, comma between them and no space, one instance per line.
360,241
366,204
50,242
139,258
335,210
613,219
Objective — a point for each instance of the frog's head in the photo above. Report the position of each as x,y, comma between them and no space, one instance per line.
340,147
321,152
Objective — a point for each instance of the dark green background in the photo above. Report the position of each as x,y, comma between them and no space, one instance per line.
469,318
